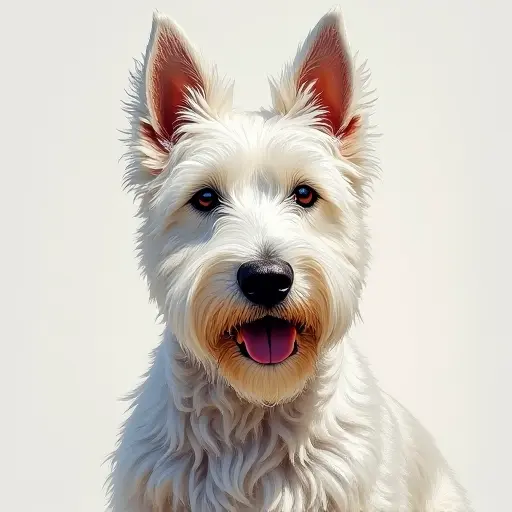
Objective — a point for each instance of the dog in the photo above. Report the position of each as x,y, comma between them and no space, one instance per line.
254,247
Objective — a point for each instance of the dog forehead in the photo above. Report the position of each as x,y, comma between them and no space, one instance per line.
245,144
263,132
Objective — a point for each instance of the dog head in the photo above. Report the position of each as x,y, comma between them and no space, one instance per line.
252,236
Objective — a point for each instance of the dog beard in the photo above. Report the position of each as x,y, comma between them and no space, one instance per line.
267,355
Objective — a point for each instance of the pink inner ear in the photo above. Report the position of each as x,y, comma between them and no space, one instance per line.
173,72
328,65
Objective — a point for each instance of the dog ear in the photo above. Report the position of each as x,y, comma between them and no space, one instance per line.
322,72
169,90
172,71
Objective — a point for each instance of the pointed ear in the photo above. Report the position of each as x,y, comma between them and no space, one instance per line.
172,71
169,90
323,69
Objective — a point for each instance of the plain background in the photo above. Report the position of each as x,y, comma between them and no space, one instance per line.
76,324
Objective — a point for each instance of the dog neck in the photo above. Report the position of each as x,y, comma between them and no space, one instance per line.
194,441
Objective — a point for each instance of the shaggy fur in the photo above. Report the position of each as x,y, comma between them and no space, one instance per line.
212,430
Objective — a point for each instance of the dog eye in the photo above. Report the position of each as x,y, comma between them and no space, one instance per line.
305,196
205,200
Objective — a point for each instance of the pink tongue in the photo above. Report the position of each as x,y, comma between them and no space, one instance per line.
269,340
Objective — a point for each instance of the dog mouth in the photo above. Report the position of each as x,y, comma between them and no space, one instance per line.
268,341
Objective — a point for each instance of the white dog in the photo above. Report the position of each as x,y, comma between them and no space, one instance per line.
254,246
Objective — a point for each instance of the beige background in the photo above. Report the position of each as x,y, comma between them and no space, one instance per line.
76,325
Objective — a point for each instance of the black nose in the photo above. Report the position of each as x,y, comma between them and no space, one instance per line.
265,282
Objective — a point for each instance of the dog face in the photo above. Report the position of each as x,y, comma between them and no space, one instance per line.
252,236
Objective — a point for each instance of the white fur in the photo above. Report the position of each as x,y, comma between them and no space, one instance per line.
333,441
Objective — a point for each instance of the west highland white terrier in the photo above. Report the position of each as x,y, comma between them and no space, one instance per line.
254,247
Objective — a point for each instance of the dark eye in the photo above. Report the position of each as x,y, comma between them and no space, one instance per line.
305,196
205,200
